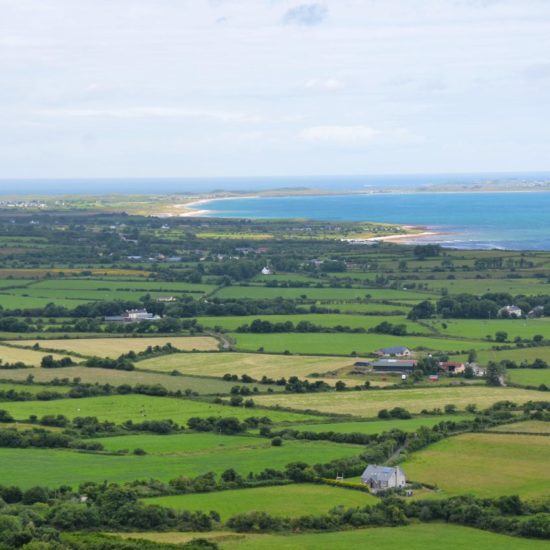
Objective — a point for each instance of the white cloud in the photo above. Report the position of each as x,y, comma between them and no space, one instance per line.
306,14
343,135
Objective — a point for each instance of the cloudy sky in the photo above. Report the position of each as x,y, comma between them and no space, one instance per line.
95,88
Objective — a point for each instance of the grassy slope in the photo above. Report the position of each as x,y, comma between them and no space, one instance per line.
27,356
530,377
529,426
288,500
485,465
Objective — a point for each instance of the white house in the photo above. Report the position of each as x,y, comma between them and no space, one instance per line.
380,478
395,351
266,271
510,311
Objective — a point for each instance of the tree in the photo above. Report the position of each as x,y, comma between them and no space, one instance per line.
472,356
495,374
276,442
423,310
501,336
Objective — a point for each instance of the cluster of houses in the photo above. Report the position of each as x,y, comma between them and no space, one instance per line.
398,360
132,316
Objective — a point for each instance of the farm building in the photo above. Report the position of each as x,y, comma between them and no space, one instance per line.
537,311
452,367
380,478
395,351
477,370
266,271
510,311
132,316
402,366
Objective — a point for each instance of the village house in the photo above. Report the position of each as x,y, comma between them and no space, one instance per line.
395,351
476,369
132,316
381,478
510,311
452,367
537,311
166,299
266,271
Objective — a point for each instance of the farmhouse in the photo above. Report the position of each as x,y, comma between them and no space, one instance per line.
510,311
476,369
402,366
452,367
132,316
396,351
266,271
380,478
537,311
166,299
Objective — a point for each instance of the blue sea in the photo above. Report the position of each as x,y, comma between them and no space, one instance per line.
514,221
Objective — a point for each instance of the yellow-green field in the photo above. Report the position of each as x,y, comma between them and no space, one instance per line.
253,364
529,426
485,464
368,403
113,347
10,354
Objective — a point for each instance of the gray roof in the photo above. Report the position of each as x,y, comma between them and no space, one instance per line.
393,350
380,473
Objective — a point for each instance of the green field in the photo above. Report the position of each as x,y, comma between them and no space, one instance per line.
368,403
425,536
516,354
287,500
530,377
346,343
260,292
480,328
324,320
29,467
485,464
379,426
139,408
113,347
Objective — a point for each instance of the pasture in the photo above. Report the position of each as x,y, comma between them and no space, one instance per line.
114,347
423,536
518,355
286,500
138,408
368,403
47,467
529,426
530,377
201,385
490,465
342,343
379,426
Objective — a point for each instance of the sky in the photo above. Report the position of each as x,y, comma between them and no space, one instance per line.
186,88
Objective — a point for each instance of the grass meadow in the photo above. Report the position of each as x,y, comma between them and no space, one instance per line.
9,354
346,343
138,408
485,464
424,536
530,377
529,426
286,500
52,468
368,403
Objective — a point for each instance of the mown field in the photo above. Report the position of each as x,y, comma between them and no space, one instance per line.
368,403
529,426
138,408
53,468
518,355
432,536
113,347
253,364
9,354
485,464
287,500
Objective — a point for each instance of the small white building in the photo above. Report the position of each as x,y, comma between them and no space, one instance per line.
381,478
510,312
266,271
